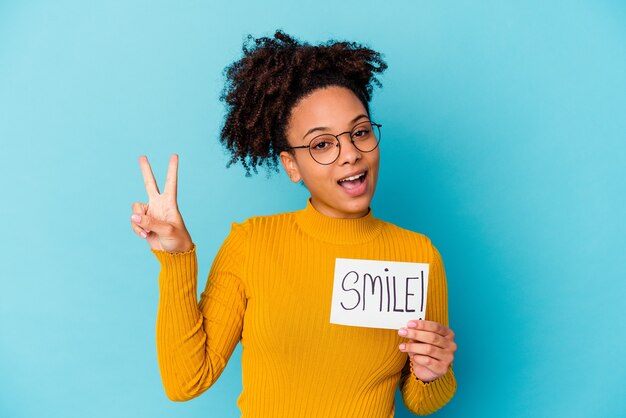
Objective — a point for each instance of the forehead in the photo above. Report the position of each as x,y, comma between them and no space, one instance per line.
332,107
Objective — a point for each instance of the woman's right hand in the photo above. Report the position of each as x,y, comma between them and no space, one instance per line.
159,221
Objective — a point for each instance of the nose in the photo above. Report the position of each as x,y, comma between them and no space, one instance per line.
348,153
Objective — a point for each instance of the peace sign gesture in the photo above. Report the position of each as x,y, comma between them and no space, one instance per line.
159,221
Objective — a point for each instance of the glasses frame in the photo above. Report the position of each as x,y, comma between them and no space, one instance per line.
378,138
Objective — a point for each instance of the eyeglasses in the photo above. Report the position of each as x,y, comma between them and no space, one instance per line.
325,148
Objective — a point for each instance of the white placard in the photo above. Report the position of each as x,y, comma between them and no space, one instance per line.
378,294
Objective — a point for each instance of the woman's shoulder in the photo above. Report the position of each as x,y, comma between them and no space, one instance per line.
255,223
396,232
399,231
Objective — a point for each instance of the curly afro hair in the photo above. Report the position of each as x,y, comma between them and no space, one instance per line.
262,88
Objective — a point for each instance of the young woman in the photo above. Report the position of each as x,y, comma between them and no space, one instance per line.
270,285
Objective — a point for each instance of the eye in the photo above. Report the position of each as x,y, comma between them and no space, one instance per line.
361,132
322,144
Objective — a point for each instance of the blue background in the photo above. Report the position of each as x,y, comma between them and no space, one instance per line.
503,141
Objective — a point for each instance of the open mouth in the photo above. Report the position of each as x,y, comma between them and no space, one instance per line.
353,182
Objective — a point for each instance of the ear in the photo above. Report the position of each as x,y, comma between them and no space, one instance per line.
290,165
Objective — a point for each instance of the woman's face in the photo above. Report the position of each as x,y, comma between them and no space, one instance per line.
331,110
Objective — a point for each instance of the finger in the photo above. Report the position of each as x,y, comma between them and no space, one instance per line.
425,337
424,350
141,221
138,230
431,326
138,208
172,176
148,178
150,224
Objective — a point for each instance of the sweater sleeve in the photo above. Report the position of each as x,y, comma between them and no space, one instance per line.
195,340
425,398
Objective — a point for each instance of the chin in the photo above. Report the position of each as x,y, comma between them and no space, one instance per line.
358,208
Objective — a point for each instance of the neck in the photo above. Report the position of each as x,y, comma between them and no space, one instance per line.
334,214
338,230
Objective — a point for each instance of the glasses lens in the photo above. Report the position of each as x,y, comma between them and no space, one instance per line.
324,149
365,136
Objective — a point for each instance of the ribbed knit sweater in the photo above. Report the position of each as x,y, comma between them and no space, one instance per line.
270,287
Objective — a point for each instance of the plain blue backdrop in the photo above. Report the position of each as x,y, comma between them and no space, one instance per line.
504,141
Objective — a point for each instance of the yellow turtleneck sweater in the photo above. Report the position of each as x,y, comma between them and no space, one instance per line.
270,287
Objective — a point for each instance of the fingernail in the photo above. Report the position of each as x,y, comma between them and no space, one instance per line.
143,234
136,217
412,324
402,347
402,331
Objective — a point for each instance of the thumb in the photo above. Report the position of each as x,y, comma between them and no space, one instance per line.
139,208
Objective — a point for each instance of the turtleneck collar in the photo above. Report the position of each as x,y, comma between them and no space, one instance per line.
338,230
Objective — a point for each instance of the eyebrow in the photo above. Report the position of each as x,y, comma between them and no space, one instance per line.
323,128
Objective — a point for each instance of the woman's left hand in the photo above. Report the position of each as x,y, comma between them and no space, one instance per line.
430,347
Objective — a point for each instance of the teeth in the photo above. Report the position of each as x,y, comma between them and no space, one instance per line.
353,177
